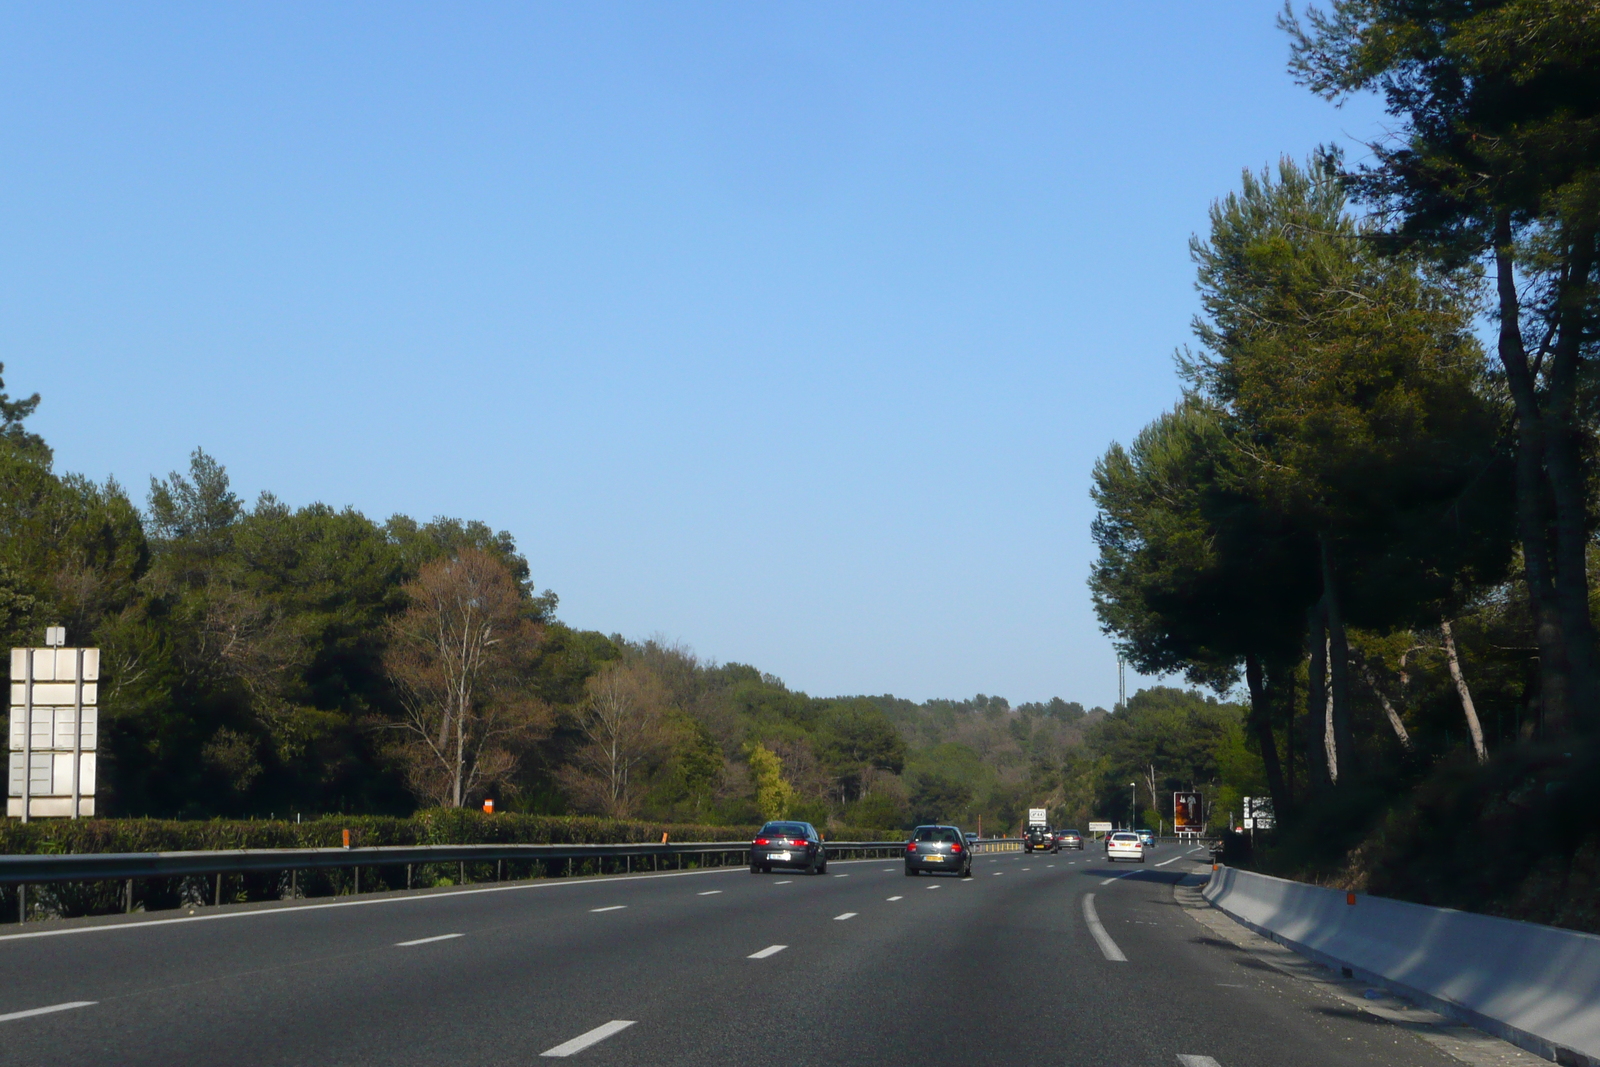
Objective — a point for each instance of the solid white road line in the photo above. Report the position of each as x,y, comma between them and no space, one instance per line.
846,915
1114,877
68,1006
709,893
770,950
1197,1061
897,898
614,907
425,940
1108,947
1174,859
593,1037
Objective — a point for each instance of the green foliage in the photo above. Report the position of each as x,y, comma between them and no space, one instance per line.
774,795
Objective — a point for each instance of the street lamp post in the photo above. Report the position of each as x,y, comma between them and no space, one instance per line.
1133,805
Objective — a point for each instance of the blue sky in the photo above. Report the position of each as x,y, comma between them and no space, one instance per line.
790,332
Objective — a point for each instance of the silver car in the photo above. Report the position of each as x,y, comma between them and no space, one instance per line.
938,848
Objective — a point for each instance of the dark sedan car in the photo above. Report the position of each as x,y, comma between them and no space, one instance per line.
1070,839
938,848
788,844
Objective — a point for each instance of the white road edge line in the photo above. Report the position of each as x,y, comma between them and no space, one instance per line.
1174,859
770,950
425,940
68,1006
709,893
846,915
1108,947
613,907
1114,877
593,1037
1197,1061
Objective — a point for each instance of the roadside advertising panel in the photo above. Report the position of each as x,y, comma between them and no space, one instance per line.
1188,816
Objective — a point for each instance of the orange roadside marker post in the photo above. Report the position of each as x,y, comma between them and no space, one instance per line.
347,839
1349,898
488,805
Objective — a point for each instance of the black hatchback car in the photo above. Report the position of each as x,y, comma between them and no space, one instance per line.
788,844
938,848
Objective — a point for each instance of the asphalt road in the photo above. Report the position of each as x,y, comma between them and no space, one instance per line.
860,966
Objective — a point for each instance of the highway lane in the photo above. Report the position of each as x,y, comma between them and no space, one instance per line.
873,966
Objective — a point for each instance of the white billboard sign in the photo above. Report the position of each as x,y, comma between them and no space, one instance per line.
54,730
1038,817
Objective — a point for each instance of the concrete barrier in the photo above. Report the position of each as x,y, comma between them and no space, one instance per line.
1535,986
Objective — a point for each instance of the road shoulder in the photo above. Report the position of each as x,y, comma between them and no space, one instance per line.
1454,1039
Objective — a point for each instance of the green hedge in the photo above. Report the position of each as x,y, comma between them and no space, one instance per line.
433,827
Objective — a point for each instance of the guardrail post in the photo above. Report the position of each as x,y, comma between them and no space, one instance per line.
127,898
216,901
22,902
357,891
408,876
463,880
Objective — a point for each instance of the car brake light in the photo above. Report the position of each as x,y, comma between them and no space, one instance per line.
761,840
955,848
911,846
799,843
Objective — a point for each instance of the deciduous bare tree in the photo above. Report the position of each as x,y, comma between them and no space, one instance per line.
623,721
458,656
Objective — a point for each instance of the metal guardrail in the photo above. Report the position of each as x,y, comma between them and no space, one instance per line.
37,869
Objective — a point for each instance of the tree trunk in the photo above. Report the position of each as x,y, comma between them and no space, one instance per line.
1261,701
1534,505
1317,739
1288,746
1368,676
1564,466
1461,689
1343,748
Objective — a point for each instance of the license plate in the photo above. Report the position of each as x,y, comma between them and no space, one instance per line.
934,859
777,855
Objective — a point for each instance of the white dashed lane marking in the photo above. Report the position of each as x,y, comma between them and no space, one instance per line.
935,887
595,1036
786,881
709,893
770,950
897,898
425,940
1197,1061
846,915
614,907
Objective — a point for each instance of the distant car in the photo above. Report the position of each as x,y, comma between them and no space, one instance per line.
938,848
972,840
1147,837
1039,839
1070,839
1124,845
788,844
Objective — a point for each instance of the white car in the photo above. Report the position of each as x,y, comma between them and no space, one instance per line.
1124,845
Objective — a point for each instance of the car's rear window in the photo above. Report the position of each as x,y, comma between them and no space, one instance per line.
783,829
1124,837
1070,833
936,834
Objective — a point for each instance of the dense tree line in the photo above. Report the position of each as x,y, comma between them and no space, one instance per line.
262,659
1381,531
